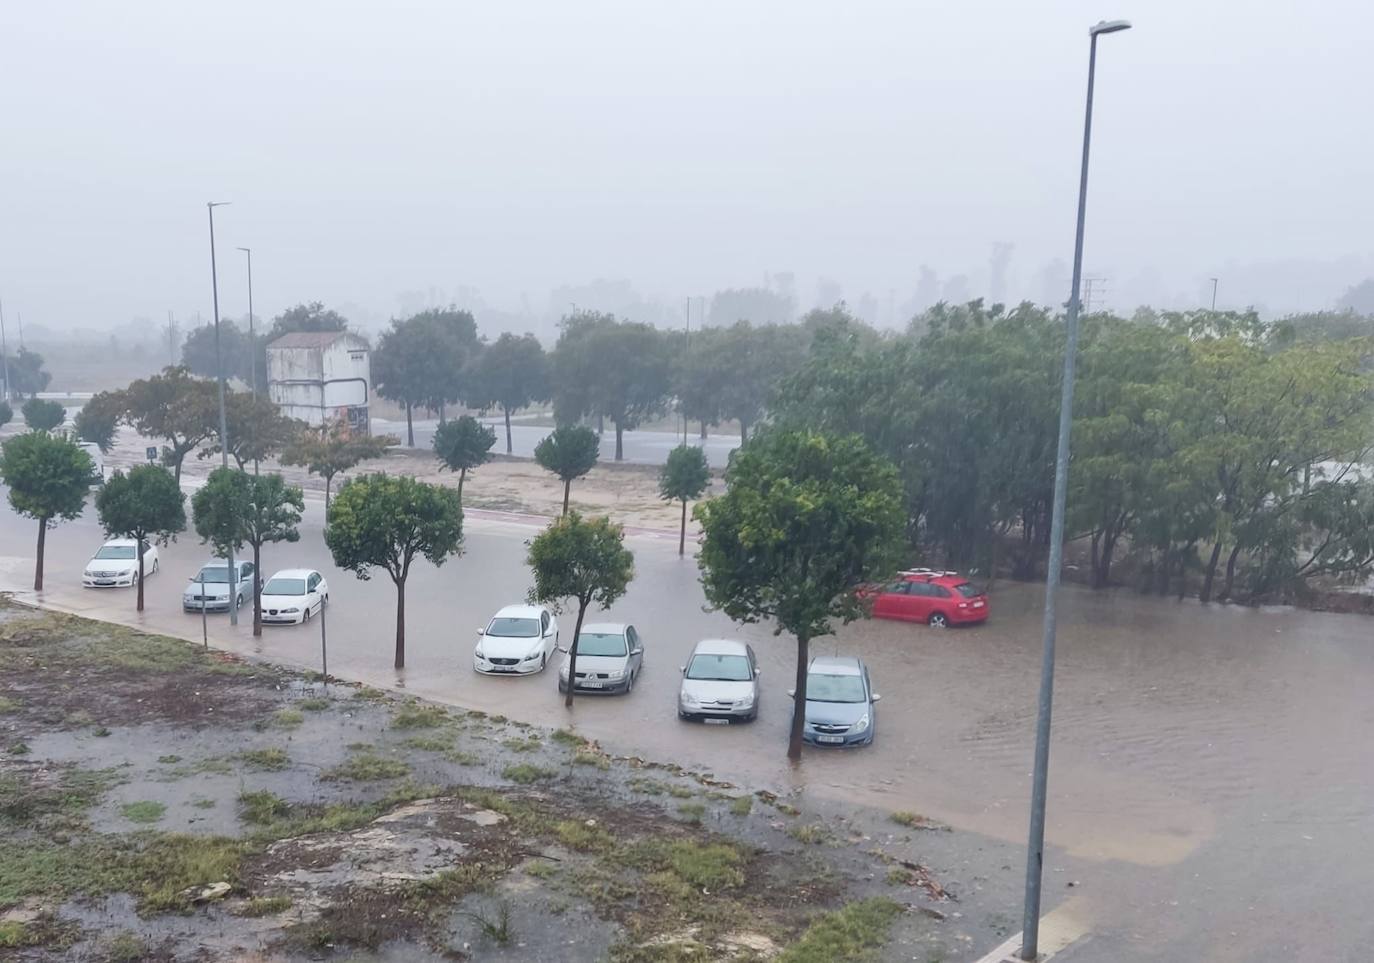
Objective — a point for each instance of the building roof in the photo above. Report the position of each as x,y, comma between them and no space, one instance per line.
310,339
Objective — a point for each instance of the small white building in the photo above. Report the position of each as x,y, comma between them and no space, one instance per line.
320,377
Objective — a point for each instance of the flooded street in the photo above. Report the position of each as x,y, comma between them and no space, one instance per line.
1212,770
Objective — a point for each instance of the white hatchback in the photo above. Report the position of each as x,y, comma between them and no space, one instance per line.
519,640
293,595
116,564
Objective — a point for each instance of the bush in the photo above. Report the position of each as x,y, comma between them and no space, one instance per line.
42,415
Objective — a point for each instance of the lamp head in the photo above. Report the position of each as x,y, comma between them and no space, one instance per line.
1108,26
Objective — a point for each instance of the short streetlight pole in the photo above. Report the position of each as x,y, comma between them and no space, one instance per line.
1214,293
252,346
223,421
1035,848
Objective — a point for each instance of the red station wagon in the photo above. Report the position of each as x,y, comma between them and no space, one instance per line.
935,598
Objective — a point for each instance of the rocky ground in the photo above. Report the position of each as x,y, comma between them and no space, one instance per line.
161,802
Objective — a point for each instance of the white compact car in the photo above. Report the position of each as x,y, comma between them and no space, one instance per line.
293,595
116,564
518,640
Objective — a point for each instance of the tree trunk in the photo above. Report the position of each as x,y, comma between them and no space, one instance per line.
743,432
572,652
140,575
703,431
442,419
1096,543
794,743
38,563
328,481
600,424
176,471
1230,574
462,474
682,535
1206,594
509,449
410,427
619,442
400,624
1108,550
257,591
567,487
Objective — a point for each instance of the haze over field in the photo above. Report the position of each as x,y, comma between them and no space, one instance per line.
506,156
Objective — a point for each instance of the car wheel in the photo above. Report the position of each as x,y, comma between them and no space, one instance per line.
938,620
630,684
543,660
155,564
305,617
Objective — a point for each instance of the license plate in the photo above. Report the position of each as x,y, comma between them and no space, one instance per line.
833,740
591,683
104,581
711,721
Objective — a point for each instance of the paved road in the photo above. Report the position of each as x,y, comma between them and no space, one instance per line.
641,447
1212,769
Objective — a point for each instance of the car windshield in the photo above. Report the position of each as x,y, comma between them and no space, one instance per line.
284,586
216,574
507,628
968,590
601,643
116,551
834,688
720,668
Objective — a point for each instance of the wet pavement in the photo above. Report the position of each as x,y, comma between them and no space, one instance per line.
1212,772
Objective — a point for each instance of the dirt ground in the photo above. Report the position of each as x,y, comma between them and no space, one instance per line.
161,802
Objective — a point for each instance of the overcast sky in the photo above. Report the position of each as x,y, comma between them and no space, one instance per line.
374,149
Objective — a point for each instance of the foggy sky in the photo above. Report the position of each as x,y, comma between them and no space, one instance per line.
381,155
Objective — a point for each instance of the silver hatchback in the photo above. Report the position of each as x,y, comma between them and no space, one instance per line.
720,681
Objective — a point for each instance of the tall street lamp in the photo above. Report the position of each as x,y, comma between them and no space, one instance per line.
252,343
1214,292
1035,848
223,422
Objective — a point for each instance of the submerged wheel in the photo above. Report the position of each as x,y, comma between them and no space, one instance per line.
939,621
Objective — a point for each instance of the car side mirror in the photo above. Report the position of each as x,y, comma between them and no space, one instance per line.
877,698
757,672
791,693
636,652
682,669
481,631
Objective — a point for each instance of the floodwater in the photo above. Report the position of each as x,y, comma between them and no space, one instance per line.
1212,769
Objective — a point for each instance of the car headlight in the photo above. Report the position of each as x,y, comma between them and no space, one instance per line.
478,653
745,701
688,699
615,674
862,724
290,611
533,655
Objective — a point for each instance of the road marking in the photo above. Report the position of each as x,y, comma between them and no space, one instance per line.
1058,930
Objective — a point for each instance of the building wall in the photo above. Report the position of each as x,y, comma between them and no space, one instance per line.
320,384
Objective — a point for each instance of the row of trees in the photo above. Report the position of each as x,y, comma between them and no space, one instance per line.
1209,442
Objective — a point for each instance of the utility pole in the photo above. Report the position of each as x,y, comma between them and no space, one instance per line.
20,318
252,344
1214,293
686,348
1035,846
171,340
4,352
223,422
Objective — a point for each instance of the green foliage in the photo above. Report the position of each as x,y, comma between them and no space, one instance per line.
98,419
423,359
462,445
42,415
143,811
176,407
612,368
308,316
333,449
146,504
584,560
384,521
525,773
27,373
849,933
510,373
6,413
48,479
685,475
569,451
257,429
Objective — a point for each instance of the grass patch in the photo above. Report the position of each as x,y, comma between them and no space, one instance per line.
143,811
204,804
285,719
367,767
264,906
901,876
313,704
680,792
524,773
585,757
648,787
812,834
568,738
540,869
692,811
462,758
19,749
416,716
429,743
369,694
582,837
9,705
270,760
56,801
742,805
915,821
845,934
261,807
499,719
712,866
126,947
169,760
522,745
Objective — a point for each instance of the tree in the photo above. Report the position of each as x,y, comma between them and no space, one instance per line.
685,476
174,406
462,445
6,413
333,449
386,521
1358,298
98,420
42,415
48,478
146,505
616,369
569,452
199,355
510,373
582,560
234,508
309,316
805,519
26,370
257,429
449,341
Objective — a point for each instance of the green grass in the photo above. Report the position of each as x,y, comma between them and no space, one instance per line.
585,757
813,834
270,760
712,866
369,694
416,716
204,804
498,719
462,758
524,773
742,805
915,821
848,933
59,801
314,704
429,743
648,787
692,811
680,792
143,811
19,749
262,808
265,906
541,870
568,738
367,767
169,760
286,719
9,705
578,835
522,745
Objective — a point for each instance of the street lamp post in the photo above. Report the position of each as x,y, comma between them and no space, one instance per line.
1035,848
1214,293
252,345
223,422
4,353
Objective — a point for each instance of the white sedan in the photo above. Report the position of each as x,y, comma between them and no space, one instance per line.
519,640
116,564
293,595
